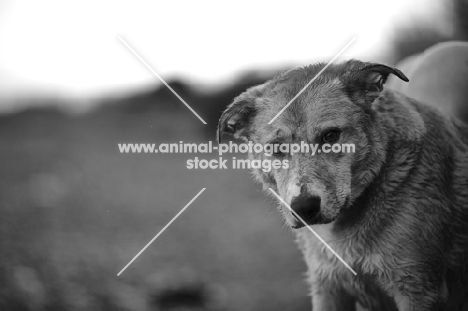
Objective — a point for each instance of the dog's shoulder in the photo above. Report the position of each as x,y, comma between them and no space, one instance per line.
413,119
404,116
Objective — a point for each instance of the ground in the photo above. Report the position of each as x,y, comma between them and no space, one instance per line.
75,211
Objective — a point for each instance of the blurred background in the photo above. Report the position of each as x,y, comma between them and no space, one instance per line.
74,211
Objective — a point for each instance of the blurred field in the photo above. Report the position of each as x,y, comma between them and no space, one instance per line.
74,212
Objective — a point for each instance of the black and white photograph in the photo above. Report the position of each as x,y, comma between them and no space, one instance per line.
234,155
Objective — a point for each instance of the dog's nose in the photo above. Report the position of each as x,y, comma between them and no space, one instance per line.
307,207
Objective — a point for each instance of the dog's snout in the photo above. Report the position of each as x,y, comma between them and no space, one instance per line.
307,207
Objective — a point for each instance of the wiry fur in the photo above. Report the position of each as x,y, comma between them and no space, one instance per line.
396,210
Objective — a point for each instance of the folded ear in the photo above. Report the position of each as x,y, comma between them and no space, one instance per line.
235,120
368,80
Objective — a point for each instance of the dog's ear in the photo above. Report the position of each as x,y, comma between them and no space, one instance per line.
368,80
236,118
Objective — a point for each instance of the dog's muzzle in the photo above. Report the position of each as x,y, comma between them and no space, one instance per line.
306,207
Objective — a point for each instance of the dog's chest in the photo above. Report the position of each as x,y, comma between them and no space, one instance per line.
369,286
324,264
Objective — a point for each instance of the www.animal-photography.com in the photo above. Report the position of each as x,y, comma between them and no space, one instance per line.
234,156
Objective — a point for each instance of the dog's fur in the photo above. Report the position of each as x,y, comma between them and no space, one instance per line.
396,210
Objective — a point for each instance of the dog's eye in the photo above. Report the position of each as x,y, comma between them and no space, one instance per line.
276,151
331,137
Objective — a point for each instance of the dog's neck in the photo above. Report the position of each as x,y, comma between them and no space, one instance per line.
400,128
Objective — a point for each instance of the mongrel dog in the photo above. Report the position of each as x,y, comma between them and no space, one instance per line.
396,210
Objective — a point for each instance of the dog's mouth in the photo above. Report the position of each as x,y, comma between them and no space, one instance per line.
298,225
316,220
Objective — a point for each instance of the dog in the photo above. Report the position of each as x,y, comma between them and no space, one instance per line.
395,210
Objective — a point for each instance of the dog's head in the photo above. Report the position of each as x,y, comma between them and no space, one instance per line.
335,109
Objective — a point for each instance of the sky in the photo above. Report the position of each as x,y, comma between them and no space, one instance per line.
72,48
